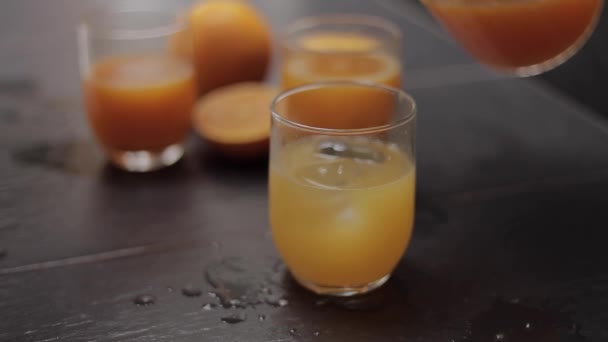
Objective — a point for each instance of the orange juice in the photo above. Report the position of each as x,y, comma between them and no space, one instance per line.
339,57
341,107
140,102
341,221
511,34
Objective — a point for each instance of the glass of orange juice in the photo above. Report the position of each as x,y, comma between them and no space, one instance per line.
341,47
520,37
342,199
138,94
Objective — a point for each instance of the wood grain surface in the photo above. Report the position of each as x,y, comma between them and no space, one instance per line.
509,240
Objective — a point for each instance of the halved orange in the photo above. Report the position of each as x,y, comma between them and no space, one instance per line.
235,119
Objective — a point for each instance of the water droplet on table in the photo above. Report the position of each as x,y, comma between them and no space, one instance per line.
293,332
574,333
144,299
240,282
234,318
322,302
261,318
191,291
236,303
209,306
317,333
509,321
277,301
169,289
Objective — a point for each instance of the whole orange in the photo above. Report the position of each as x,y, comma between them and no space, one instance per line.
231,43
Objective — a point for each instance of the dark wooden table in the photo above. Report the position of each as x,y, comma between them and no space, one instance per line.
510,235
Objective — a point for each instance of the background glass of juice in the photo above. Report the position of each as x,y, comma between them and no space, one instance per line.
338,48
341,47
520,37
138,95
342,200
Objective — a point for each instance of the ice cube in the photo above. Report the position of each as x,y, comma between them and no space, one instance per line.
336,174
362,152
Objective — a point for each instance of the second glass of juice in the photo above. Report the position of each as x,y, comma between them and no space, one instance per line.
138,94
342,200
341,47
338,48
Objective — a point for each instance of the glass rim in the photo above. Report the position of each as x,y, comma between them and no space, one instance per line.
401,95
171,27
363,20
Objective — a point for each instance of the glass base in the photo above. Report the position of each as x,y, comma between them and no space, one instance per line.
146,161
343,291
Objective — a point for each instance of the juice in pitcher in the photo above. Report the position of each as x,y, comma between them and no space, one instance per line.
525,37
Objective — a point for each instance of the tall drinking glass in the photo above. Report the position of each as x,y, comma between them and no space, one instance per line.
520,37
342,199
341,47
138,94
